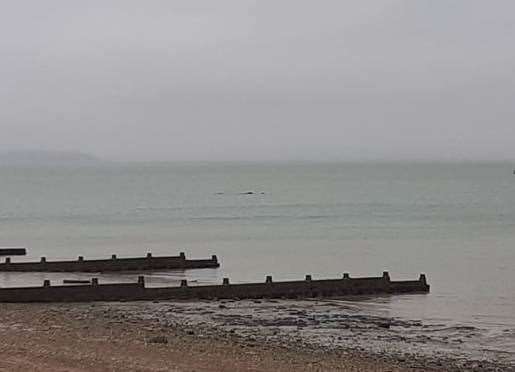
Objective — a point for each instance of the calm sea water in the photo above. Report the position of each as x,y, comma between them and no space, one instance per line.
454,222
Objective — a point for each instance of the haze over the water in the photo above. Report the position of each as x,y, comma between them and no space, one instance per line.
260,80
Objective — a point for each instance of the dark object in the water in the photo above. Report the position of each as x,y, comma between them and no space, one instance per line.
307,288
384,325
114,264
76,281
247,193
13,251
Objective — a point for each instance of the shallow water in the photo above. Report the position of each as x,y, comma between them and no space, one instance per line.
455,222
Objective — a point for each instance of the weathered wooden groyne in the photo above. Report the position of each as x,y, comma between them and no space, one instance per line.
13,251
346,286
113,264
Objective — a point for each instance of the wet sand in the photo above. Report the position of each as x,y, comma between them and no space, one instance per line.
202,336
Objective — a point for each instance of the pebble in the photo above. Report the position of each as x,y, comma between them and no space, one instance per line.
158,340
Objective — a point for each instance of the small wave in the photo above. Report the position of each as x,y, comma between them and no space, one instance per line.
317,217
498,351
219,218
143,208
259,217
459,328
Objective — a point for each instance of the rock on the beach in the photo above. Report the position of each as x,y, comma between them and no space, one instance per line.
158,340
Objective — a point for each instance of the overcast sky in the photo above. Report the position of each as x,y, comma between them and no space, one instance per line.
259,80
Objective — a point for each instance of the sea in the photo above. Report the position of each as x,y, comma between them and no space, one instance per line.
453,222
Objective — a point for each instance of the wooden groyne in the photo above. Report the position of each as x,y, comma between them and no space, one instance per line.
113,264
346,286
13,251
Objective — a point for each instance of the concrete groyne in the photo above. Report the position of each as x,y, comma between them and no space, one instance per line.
113,264
346,286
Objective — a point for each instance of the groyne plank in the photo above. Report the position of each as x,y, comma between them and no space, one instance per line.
286,289
13,251
113,264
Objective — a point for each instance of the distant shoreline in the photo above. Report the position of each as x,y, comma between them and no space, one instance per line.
46,158
52,158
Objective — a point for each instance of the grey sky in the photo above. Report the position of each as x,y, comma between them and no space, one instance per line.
259,80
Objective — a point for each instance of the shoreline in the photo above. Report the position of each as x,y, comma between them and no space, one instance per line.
172,336
59,338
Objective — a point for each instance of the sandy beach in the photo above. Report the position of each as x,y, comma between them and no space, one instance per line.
138,337
57,338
